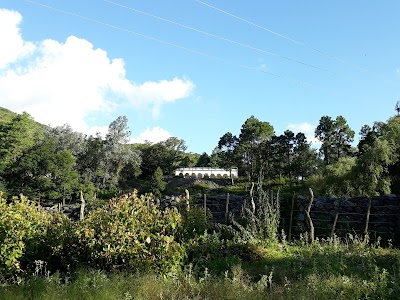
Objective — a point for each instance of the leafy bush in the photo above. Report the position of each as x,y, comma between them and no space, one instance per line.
194,222
58,248
157,183
131,233
210,252
106,194
23,227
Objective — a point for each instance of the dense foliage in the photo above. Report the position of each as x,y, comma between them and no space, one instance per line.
23,225
55,164
130,249
129,233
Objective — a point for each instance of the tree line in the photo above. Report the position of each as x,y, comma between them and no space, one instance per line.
55,163
337,168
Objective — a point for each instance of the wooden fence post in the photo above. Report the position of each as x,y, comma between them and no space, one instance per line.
82,214
291,217
253,205
367,220
310,222
187,199
205,205
334,224
227,208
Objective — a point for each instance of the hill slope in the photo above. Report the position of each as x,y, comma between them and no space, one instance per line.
6,115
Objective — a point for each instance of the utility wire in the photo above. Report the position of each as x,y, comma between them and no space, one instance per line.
220,37
169,44
286,37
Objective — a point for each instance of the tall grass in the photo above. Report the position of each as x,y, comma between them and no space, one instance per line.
260,223
327,269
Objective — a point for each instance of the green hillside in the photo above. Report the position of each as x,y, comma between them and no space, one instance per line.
6,115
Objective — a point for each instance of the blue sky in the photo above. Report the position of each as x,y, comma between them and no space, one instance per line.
101,60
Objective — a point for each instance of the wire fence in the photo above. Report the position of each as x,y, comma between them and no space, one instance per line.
379,216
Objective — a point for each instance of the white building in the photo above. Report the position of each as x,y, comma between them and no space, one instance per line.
201,172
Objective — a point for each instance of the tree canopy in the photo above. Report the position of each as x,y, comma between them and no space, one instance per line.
55,163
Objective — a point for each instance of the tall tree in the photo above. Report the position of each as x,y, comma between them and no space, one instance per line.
215,158
336,137
189,159
89,162
283,149
390,132
175,149
343,136
305,161
368,135
372,169
42,172
16,137
67,139
252,135
228,157
323,133
103,159
203,160
153,156
167,155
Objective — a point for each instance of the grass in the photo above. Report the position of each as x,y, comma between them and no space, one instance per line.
330,269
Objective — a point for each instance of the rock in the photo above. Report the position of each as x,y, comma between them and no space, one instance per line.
359,210
329,206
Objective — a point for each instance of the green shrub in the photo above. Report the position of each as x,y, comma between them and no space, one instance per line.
109,193
261,224
131,233
194,222
157,183
58,248
199,187
212,252
23,227
241,188
209,252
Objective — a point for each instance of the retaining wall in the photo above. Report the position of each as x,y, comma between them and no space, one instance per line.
380,216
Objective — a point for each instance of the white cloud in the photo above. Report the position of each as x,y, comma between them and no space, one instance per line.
60,83
13,47
156,93
308,131
153,135
94,130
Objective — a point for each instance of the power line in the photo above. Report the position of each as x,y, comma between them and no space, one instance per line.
219,37
286,37
168,43
251,23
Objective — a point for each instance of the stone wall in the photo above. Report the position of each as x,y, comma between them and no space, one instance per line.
216,204
352,216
